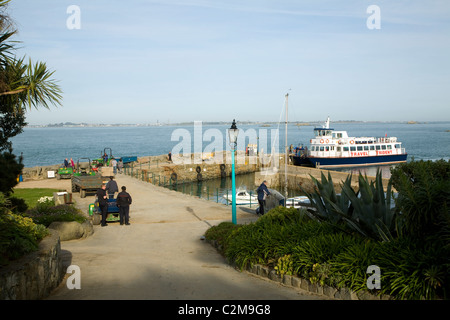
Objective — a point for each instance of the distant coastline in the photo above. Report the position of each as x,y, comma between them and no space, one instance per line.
158,124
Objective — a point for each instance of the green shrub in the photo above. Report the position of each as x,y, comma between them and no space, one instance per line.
349,266
424,198
18,205
412,269
296,244
319,249
18,236
221,233
45,213
272,236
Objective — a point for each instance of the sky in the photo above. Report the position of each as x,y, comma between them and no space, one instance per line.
169,61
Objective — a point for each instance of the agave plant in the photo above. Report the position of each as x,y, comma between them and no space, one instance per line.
367,211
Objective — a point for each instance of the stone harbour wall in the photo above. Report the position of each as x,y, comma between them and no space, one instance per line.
35,275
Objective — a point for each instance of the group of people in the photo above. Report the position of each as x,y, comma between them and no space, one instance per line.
67,164
117,165
123,201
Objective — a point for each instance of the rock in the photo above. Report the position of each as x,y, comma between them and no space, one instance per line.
71,230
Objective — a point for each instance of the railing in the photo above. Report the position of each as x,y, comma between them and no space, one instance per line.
197,189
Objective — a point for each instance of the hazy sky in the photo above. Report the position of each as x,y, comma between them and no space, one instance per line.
140,61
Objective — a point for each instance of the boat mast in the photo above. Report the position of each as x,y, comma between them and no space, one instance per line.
286,156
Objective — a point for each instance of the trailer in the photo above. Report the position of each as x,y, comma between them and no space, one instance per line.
85,179
126,160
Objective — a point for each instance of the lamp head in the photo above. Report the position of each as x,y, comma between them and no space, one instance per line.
233,132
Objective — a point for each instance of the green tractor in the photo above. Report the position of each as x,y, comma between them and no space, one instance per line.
100,162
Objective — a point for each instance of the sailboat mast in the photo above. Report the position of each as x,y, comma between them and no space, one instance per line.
286,156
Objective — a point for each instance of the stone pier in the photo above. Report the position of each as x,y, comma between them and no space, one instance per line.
298,176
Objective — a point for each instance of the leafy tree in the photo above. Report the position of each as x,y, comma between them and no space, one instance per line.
22,85
10,169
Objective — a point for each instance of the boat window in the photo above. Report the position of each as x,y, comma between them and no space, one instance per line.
359,148
366,148
383,147
345,149
338,149
327,148
352,148
372,147
389,147
321,148
397,146
378,147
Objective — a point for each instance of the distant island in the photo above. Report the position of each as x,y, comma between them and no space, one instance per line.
159,124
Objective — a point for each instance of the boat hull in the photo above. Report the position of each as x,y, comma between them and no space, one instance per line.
349,161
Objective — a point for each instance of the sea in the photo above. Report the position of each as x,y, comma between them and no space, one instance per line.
41,146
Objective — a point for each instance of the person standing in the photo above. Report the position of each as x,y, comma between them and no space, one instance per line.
72,164
66,163
114,165
120,165
263,192
103,203
123,203
112,187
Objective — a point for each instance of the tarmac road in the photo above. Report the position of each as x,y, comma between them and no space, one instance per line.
160,255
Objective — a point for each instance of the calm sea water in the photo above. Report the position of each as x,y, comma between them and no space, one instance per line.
49,146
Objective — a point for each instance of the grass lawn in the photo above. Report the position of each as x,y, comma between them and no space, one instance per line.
32,195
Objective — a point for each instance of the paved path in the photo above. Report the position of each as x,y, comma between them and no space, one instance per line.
160,255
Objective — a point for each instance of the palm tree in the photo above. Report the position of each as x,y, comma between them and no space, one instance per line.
22,85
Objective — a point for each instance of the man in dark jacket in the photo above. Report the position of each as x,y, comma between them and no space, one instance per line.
103,203
263,192
112,187
123,202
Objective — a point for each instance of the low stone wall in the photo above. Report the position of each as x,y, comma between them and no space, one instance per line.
301,176
158,170
38,173
35,275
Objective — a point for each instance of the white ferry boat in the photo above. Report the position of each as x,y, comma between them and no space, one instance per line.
332,149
